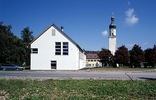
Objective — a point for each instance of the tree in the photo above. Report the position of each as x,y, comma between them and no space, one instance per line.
105,56
122,56
154,54
12,49
26,35
136,56
150,56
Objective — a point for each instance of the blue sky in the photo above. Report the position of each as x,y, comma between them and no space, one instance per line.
85,21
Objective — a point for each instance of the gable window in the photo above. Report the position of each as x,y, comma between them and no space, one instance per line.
57,48
34,50
53,32
65,48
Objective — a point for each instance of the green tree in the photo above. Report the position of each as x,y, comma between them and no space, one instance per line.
150,56
122,56
12,49
27,37
136,56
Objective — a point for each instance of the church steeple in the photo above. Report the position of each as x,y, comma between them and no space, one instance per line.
112,36
112,25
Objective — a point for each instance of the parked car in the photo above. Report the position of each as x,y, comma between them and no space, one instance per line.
11,67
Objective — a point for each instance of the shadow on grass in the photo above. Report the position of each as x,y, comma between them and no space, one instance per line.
146,78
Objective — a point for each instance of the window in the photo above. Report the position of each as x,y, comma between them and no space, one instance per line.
89,64
92,64
95,60
53,32
57,48
91,60
34,50
53,64
94,56
88,60
65,48
90,56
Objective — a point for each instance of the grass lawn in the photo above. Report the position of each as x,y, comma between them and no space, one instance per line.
123,69
77,89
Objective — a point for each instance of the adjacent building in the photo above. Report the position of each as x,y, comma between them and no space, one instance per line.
55,50
92,60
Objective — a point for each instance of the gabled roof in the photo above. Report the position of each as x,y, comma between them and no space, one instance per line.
60,31
92,56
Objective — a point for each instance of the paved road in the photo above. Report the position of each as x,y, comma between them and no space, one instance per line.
81,75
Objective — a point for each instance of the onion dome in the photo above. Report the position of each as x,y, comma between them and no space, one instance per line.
112,25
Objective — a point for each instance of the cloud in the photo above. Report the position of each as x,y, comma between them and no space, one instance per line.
128,3
145,43
130,45
104,33
131,19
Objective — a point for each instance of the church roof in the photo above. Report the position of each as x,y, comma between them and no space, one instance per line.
112,25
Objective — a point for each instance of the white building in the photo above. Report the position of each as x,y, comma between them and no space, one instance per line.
112,36
54,50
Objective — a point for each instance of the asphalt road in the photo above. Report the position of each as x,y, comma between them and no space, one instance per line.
98,75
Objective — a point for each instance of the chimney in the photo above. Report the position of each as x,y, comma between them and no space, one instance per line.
62,28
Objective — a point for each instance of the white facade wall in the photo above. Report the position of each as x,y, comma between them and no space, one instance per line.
46,52
82,58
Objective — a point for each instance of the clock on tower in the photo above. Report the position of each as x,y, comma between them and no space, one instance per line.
112,36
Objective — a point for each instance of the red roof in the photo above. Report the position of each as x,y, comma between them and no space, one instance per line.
92,56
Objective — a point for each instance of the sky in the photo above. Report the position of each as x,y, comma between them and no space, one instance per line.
85,21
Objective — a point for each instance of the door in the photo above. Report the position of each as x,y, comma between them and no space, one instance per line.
53,64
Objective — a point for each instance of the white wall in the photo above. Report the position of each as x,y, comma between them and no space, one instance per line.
46,52
112,45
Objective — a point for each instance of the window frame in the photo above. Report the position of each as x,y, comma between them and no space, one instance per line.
65,48
33,51
57,48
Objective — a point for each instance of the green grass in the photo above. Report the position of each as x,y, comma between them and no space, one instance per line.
77,89
123,69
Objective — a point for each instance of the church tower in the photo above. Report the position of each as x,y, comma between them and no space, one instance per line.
112,36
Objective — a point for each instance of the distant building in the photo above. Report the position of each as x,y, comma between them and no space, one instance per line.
55,50
112,36
92,60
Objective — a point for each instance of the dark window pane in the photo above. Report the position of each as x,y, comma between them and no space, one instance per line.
65,43
65,53
57,53
58,43
58,50
65,50
65,47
